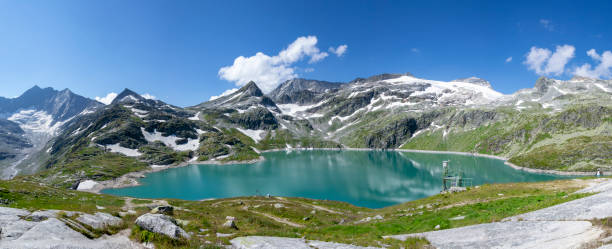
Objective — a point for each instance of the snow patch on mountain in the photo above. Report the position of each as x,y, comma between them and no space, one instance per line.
122,150
138,112
170,141
600,86
256,135
86,185
195,117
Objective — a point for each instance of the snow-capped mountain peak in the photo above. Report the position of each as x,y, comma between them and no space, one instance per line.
474,80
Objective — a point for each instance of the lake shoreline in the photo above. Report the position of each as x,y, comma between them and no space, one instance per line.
131,179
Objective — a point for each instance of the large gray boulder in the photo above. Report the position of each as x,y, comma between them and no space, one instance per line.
99,220
162,224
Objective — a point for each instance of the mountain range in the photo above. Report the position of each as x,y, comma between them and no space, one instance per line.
62,138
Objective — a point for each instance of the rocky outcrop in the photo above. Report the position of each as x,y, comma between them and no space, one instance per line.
472,118
162,224
43,229
395,133
129,135
256,119
392,135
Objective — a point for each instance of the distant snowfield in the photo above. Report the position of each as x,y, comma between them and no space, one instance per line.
36,121
438,87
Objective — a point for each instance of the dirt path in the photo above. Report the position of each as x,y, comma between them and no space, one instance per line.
285,201
278,219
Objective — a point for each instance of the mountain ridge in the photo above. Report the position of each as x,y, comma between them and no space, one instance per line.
382,111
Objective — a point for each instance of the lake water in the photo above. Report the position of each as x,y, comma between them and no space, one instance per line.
371,179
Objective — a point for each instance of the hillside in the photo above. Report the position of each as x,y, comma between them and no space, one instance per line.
558,125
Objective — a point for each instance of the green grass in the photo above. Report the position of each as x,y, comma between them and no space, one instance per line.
469,141
594,152
479,205
34,196
533,138
90,163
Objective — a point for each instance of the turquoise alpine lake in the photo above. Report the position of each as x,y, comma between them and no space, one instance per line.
371,179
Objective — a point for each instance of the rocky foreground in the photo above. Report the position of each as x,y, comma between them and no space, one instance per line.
567,225
573,224
58,229
45,229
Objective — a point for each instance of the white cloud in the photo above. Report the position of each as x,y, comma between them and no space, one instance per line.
593,54
309,70
339,51
225,93
107,99
301,47
600,71
543,62
148,96
547,24
269,71
558,60
536,58
509,59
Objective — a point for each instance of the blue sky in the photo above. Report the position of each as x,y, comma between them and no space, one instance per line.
174,50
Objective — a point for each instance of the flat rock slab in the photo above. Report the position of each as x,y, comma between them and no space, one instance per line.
53,229
599,185
102,243
513,234
13,211
597,206
263,242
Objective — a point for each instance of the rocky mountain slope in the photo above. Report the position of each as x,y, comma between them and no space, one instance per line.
29,121
563,125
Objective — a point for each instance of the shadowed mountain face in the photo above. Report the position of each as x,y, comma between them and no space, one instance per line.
302,91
